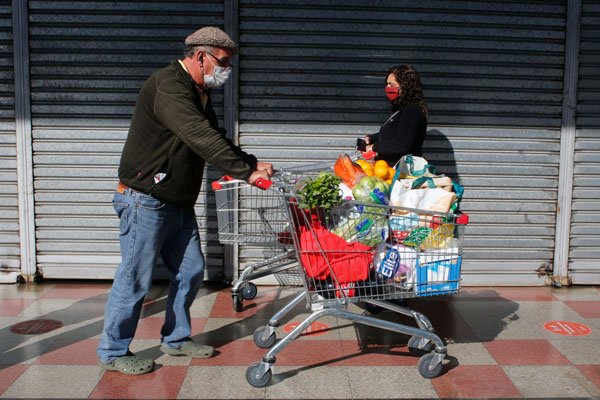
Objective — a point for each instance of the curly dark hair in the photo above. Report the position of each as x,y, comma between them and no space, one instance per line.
410,85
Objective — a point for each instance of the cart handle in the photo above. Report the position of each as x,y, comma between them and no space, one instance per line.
261,183
463,219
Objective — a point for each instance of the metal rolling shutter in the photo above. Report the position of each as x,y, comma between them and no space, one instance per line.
10,254
88,61
584,254
311,81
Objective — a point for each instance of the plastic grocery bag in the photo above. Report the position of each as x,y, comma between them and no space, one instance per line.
432,199
396,263
320,249
413,166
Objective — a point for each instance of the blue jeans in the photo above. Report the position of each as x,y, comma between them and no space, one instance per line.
150,228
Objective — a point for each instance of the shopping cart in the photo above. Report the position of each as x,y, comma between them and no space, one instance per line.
376,254
256,216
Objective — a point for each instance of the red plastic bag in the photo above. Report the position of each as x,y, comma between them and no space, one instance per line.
320,249
349,172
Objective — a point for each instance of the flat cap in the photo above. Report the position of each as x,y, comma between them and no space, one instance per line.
211,36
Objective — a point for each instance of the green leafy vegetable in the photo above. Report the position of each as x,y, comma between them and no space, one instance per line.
321,192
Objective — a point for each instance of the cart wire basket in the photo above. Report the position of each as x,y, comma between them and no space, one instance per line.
257,217
373,254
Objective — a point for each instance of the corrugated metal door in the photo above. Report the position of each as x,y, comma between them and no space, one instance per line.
312,75
10,253
88,61
585,232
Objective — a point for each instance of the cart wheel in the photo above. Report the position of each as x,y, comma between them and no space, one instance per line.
373,309
249,291
237,302
253,380
258,339
413,346
423,367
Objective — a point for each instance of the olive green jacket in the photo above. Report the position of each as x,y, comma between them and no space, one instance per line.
171,133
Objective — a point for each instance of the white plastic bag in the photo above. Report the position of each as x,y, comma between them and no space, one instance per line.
431,199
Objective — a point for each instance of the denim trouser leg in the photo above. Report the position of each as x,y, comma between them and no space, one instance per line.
183,256
148,226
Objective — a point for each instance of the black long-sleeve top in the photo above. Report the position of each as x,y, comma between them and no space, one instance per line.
403,133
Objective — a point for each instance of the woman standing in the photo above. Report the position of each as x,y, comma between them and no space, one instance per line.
404,131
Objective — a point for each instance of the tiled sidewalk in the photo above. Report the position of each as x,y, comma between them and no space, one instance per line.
497,345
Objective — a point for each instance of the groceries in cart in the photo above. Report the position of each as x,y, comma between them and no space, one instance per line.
380,228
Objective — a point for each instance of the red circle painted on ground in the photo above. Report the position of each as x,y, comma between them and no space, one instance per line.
567,328
314,329
35,326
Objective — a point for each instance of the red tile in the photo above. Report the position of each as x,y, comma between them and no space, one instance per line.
507,293
525,352
82,352
163,383
149,328
13,307
261,304
76,291
234,353
475,381
354,356
9,374
587,309
592,372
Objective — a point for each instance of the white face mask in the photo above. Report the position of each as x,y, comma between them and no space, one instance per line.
219,76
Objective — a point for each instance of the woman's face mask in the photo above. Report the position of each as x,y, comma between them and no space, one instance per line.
392,93
219,75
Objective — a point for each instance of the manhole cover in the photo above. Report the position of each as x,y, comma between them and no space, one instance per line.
35,326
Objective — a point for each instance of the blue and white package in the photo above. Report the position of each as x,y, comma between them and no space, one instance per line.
396,263
404,222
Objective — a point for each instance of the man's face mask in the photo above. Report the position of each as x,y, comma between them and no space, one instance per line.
392,93
219,76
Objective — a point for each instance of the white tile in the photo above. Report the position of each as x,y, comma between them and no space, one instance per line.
315,382
218,383
55,381
551,381
389,383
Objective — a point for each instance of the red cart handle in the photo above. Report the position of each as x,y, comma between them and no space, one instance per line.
259,183
263,184
463,219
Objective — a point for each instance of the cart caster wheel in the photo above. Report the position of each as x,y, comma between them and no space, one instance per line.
253,380
258,339
413,346
373,309
249,291
38,278
237,302
423,367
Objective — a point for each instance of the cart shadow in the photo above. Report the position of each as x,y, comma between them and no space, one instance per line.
471,316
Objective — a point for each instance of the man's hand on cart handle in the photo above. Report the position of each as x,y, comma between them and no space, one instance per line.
265,166
260,179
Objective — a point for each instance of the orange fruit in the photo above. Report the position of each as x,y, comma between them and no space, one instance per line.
381,162
381,171
391,172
